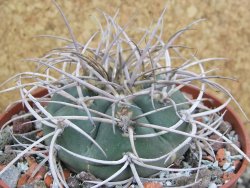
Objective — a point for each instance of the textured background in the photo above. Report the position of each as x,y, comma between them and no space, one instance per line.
226,32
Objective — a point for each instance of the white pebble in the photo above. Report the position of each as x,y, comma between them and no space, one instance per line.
168,183
228,154
22,166
236,157
231,169
212,185
226,166
38,125
162,175
216,164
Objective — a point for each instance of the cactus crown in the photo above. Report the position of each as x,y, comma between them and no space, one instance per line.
117,110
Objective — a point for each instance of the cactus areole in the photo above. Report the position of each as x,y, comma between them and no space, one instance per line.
114,136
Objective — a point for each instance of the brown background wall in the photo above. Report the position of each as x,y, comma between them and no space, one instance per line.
226,33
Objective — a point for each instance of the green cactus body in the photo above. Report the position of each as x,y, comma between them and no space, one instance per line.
114,143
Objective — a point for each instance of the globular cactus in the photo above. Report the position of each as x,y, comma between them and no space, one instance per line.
120,113
129,121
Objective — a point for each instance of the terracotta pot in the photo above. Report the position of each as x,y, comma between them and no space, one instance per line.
230,116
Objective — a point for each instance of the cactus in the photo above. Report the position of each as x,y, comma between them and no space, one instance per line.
115,141
117,110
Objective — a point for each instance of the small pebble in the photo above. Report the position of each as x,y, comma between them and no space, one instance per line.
38,125
85,176
212,185
232,133
206,162
217,145
48,179
221,156
216,164
162,175
168,183
226,165
73,182
228,153
236,157
11,176
152,185
5,158
205,119
22,166
21,126
5,137
231,169
225,127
